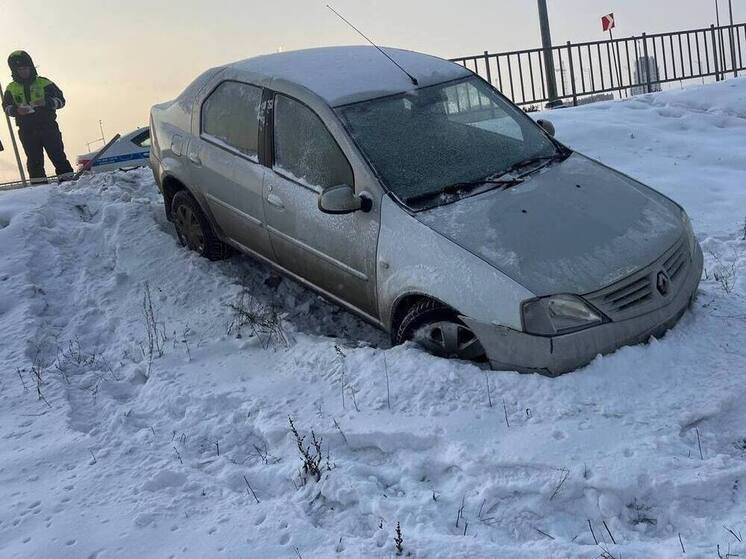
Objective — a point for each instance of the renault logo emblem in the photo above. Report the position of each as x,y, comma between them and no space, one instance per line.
663,283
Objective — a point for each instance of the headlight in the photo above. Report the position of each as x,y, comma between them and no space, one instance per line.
558,314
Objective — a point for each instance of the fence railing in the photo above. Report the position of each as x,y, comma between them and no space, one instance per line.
13,185
624,66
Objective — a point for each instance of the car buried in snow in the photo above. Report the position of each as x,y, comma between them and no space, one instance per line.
422,199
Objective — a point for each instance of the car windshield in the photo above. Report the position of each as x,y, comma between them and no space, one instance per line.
425,142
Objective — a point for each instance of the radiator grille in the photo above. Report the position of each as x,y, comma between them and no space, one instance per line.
638,294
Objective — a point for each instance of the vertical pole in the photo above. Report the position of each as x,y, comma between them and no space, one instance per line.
572,75
487,66
720,53
546,44
617,63
732,42
647,62
715,52
13,143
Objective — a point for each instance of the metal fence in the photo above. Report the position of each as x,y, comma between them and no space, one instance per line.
13,185
625,66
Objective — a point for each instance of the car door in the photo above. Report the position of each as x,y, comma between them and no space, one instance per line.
225,163
336,253
139,149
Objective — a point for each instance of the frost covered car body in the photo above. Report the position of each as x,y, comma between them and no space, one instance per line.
427,203
128,152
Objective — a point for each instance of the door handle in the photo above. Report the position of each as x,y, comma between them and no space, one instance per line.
275,201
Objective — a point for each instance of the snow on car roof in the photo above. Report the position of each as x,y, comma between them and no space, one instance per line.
342,75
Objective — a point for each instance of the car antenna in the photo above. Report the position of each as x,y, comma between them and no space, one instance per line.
410,76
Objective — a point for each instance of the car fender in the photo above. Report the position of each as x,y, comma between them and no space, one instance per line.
204,206
415,259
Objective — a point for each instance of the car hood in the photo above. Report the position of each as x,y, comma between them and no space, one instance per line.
572,227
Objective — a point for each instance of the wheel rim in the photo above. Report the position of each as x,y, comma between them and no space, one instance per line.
189,229
450,339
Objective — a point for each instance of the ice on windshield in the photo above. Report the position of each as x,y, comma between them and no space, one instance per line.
440,135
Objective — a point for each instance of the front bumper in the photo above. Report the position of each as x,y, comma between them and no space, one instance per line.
509,349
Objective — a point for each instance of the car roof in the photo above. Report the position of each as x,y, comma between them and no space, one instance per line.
134,133
343,75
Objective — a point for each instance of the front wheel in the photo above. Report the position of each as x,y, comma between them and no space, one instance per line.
438,330
193,228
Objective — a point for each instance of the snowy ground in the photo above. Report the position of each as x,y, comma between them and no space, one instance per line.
126,458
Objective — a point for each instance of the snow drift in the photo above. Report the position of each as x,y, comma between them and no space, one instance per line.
145,392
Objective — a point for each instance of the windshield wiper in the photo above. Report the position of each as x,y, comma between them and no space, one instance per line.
465,187
559,156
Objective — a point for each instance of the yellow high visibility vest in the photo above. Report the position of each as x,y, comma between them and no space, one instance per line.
36,89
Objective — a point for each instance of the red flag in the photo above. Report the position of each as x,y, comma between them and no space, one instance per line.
607,22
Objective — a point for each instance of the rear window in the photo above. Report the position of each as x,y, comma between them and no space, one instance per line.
230,115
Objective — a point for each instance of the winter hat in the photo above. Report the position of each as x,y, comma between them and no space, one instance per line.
20,58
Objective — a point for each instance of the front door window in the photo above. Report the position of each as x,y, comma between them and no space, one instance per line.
305,150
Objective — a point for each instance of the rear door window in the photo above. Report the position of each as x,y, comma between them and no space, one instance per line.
142,140
304,149
230,116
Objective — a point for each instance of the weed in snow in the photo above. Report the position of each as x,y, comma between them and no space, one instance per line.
262,453
92,367
248,485
398,539
37,374
264,322
184,341
155,331
388,387
72,362
641,514
725,554
564,474
723,273
341,359
314,462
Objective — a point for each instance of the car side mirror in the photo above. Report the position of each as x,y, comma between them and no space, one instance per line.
341,199
546,125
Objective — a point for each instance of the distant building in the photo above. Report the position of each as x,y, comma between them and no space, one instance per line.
645,66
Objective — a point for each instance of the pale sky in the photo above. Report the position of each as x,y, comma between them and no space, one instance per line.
113,60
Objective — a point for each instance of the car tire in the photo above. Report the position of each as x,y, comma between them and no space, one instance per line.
437,329
193,228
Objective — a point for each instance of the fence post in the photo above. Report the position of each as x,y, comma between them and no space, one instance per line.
572,75
732,44
733,52
546,45
716,52
487,65
13,142
647,63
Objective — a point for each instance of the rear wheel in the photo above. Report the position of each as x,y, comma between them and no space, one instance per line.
193,228
439,331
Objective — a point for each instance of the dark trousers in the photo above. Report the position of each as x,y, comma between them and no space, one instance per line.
42,138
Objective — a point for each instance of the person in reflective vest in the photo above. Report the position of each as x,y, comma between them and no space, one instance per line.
33,101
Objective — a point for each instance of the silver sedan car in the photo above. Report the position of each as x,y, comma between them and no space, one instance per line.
419,197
